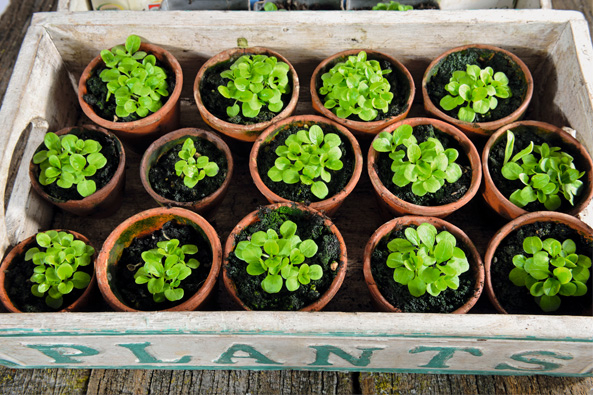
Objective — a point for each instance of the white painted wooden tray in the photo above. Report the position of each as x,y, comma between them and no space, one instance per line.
349,336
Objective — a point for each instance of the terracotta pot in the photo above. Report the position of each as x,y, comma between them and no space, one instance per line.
365,128
475,261
166,143
501,204
19,251
240,131
104,201
329,205
539,216
399,206
140,225
252,218
477,130
139,134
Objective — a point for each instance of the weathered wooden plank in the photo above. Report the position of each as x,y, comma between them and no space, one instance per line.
44,381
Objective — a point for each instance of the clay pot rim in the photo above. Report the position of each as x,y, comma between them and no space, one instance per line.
566,138
526,219
240,131
446,209
481,128
371,127
476,263
130,127
322,205
250,218
20,248
99,194
178,135
102,263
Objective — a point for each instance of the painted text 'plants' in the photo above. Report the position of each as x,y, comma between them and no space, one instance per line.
392,6
193,167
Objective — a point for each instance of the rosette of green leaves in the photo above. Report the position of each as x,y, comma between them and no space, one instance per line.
547,172
56,269
426,165
426,260
550,269
269,6
356,86
164,278
138,87
308,157
255,81
193,167
392,6
282,257
68,161
477,87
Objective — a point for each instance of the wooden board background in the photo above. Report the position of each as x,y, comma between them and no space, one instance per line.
12,28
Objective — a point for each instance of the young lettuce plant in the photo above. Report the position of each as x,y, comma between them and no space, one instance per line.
550,269
255,81
68,161
281,258
479,88
306,157
545,171
356,86
426,260
138,87
269,6
163,279
193,170
426,165
392,6
56,269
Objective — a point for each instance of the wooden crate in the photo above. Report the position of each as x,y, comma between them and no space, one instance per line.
349,335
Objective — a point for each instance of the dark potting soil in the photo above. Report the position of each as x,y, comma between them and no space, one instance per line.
97,95
518,300
399,86
483,58
309,226
109,149
18,285
137,295
425,5
293,5
448,193
300,192
523,136
398,294
217,104
167,183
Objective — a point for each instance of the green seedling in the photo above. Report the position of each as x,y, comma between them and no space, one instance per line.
56,269
479,88
163,279
392,6
193,167
426,165
270,7
68,161
550,269
255,81
308,157
281,258
546,172
138,87
426,260
356,86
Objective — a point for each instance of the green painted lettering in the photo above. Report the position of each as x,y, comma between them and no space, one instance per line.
443,355
58,352
544,365
322,355
139,350
227,356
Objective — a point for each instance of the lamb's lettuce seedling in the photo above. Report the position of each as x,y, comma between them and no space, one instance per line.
426,165
282,257
479,88
306,157
356,86
392,6
269,6
549,269
426,260
193,167
56,269
68,161
547,172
